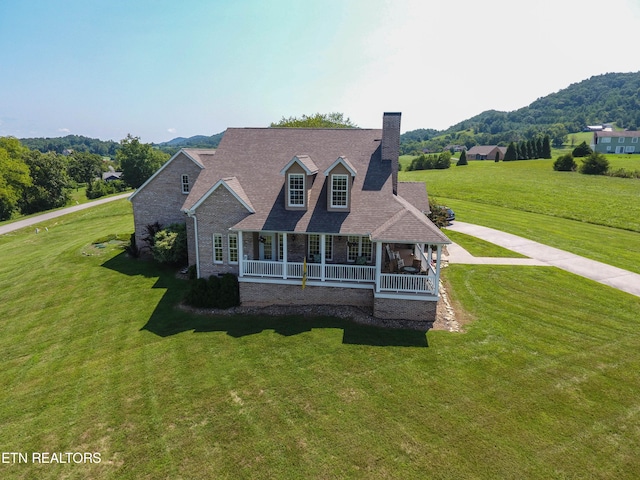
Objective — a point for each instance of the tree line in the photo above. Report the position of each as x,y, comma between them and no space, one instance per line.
529,149
32,181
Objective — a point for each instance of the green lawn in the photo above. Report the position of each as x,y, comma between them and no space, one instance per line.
528,198
96,358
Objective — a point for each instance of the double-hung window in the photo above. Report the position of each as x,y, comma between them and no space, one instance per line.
217,248
233,248
339,191
185,183
296,190
314,246
359,247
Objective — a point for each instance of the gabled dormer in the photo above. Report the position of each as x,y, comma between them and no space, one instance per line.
340,176
298,178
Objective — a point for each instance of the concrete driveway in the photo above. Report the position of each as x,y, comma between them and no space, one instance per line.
540,254
31,221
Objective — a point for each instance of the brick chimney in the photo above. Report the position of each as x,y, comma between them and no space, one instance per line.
391,144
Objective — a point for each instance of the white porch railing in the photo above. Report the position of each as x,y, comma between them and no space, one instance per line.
343,273
262,268
391,282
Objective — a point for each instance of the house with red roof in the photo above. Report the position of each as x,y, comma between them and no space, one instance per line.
304,216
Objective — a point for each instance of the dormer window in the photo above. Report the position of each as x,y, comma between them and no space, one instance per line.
185,183
339,191
297,190
299,173
340,176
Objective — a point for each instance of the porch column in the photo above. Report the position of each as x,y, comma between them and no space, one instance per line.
240,255
437,281
284,255
322,254
378,264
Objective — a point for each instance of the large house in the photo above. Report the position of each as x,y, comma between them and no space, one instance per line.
304,216
609,141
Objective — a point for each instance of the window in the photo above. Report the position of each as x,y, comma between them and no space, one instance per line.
605,139
314,246
620,139
233,248
629,149
359,247
280,246
634,140
185,183
217,248
339,193
296,190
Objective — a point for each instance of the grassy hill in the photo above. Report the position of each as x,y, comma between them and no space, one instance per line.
542,384
608,98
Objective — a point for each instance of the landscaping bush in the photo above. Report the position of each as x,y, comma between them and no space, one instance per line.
132,248
565,163
100,188
170,244
215,292
438,214
463,159
430,162
582,150
594,164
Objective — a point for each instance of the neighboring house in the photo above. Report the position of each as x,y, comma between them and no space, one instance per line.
276,205
616,142
455,148
486,152
111,175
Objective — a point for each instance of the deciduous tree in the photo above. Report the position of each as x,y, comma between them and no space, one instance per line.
138,161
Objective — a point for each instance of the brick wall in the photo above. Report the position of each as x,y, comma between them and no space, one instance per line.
262,294
220,211
162,198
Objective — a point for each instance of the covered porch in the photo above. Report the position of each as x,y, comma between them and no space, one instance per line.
348,261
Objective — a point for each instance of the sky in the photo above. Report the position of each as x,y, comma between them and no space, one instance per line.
161,69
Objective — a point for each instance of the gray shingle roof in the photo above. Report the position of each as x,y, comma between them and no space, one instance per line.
255,157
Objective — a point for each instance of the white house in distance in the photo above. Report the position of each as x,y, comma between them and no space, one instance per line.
276,205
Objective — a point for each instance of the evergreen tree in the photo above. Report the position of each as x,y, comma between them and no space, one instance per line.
522,150
497,156
539,147
546,147
531,150
582,150
511,153
463,159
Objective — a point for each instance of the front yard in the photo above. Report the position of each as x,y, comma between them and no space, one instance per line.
96,358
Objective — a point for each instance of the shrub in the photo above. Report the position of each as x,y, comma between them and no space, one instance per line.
438,214
170,244
582,150
100,188
215,292
594,164
565,163
463,159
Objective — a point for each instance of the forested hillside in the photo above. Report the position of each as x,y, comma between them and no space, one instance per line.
76,143
608,98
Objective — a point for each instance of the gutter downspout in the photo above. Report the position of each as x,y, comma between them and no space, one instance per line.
192,214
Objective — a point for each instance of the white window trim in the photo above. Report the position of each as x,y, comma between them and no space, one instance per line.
328,246
620,139
218,248
605,140
230,249
360,241
346,191
185,184
634,140
304,186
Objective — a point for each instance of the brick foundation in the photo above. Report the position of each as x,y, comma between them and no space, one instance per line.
262,294
404,309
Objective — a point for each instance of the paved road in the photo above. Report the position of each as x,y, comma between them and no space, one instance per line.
540,254
28,222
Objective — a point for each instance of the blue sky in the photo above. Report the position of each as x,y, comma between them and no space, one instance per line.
161,69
